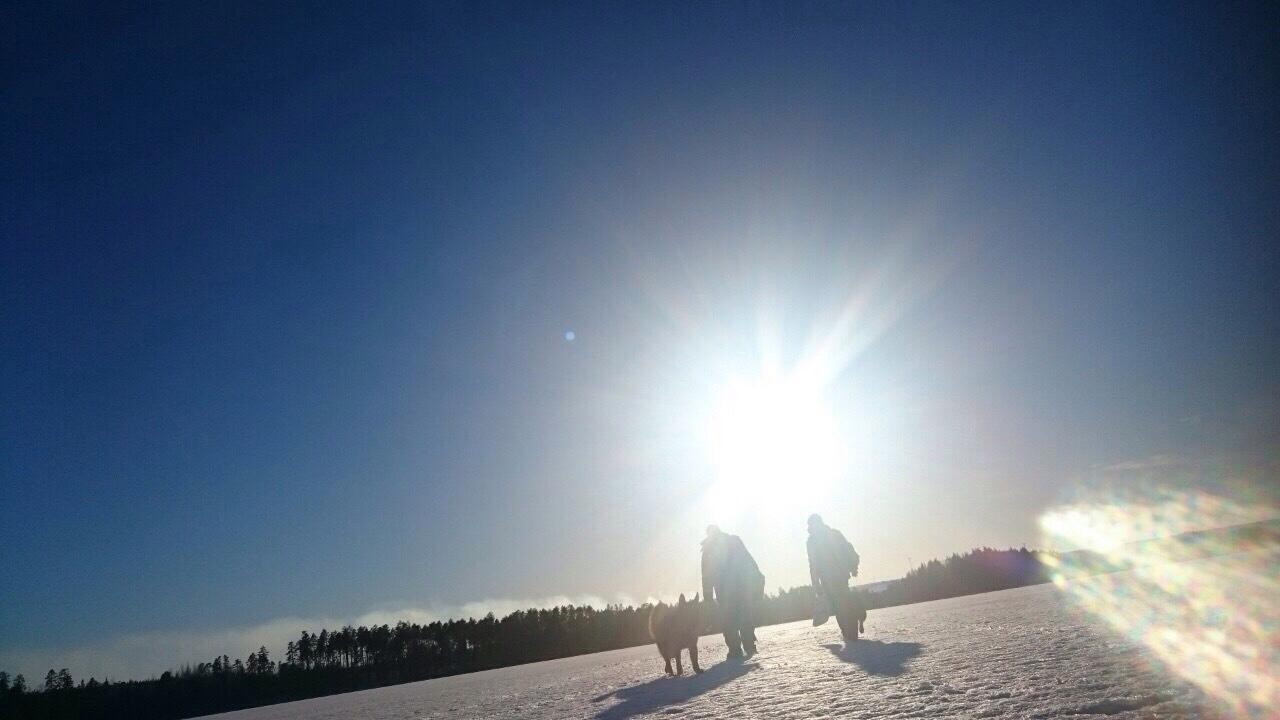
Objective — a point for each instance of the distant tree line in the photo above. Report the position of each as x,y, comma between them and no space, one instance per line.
335,661
355,658
977,571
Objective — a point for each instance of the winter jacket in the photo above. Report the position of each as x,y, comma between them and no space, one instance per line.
831,557
729,569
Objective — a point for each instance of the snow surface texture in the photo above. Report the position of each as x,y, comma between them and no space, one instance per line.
1034,652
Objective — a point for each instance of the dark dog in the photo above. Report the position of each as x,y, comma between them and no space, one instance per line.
676,628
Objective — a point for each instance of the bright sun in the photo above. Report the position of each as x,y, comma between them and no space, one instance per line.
774,446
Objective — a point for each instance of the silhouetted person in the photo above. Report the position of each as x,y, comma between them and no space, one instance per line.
832,560
731,577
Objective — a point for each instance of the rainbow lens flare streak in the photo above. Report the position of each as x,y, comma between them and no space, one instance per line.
1208,611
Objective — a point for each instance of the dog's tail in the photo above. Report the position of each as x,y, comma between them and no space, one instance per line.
654,616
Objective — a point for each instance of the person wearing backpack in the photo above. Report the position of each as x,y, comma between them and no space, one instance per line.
832,560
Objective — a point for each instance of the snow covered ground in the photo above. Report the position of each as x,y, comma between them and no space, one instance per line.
1027,653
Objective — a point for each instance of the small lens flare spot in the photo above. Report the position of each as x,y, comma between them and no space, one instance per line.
569,335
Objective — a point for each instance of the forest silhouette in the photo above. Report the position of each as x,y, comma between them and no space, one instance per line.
357,658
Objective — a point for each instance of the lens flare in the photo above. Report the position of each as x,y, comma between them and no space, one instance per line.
1204,604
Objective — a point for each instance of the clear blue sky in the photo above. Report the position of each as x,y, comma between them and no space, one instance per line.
284,292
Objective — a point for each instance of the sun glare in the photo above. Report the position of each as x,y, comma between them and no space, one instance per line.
773,445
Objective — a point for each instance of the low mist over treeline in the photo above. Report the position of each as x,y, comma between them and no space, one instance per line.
355,658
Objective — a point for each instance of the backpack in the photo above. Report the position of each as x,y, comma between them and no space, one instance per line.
851,557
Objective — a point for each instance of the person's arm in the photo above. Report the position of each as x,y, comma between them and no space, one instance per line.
708,582
813,567
751,563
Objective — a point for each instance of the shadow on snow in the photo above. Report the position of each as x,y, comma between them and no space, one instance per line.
876,657
657,693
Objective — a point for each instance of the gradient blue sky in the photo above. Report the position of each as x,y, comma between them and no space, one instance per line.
285,292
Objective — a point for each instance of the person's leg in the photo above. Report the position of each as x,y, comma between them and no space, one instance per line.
842,619
748,639
843,605
860,609
734,641
729,621
747,625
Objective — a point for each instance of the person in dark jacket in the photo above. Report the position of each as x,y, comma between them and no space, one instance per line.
832,560
731,577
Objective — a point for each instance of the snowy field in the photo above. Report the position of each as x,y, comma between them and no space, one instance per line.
1025,653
